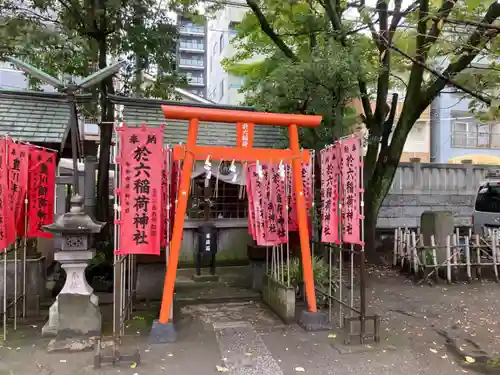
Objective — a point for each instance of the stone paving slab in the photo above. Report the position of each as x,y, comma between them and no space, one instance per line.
245,352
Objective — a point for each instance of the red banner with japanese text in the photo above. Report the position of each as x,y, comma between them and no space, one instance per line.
292,200
351,189
3,194
270,234
141,163
18,157
258,201
279,201
330,174
175,181
41,191
165,201
250,186
274,206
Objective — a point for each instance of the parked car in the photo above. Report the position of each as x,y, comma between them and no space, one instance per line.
487,206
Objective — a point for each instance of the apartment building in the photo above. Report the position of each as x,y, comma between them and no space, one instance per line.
223,87
457,134
192,54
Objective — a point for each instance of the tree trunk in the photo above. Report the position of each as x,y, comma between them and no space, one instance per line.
370,228
106,135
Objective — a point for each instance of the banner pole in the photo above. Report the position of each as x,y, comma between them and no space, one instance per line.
25,251
362,281
5,294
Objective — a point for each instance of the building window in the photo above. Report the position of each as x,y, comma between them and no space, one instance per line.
467,133
221,43
190,27
215,49
195,44
225,202
195,61
221,89
195,78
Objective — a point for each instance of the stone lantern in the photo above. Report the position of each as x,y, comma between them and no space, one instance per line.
76,309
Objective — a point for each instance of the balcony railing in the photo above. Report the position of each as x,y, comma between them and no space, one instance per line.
475,140
194,63
192,30
193,46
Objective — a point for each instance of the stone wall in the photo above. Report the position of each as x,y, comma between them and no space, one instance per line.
404,210
419,187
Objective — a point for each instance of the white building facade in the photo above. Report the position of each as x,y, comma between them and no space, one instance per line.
223,87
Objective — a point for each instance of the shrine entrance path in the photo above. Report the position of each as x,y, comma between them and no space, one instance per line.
246,338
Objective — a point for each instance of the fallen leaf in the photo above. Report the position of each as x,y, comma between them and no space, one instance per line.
221,369
433,350
133,365
300,369
469,359
332,336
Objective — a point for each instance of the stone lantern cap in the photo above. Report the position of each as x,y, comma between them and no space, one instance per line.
76,221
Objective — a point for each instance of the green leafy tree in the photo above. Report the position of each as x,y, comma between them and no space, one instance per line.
325,52
72,38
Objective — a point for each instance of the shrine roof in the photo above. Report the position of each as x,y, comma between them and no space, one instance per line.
33,119
135,112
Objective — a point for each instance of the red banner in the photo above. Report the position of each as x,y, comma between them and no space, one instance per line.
41,191
330,174
175,181
18,183
351,189
308,195
141,162
274,208
3,194
258,200
165,219
250,185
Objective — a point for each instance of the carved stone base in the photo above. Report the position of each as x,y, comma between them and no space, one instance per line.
73,315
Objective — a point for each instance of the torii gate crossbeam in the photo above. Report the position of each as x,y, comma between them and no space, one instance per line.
192,152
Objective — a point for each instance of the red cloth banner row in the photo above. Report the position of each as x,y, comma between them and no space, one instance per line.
341,169
25,172
269,219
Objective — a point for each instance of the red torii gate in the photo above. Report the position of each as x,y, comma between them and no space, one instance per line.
192,152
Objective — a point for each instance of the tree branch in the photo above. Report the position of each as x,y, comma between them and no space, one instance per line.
399,79
266,28
479,37
472,23
365,101
397,16
441,76
437,25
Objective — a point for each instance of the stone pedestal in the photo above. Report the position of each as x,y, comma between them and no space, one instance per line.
76,309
